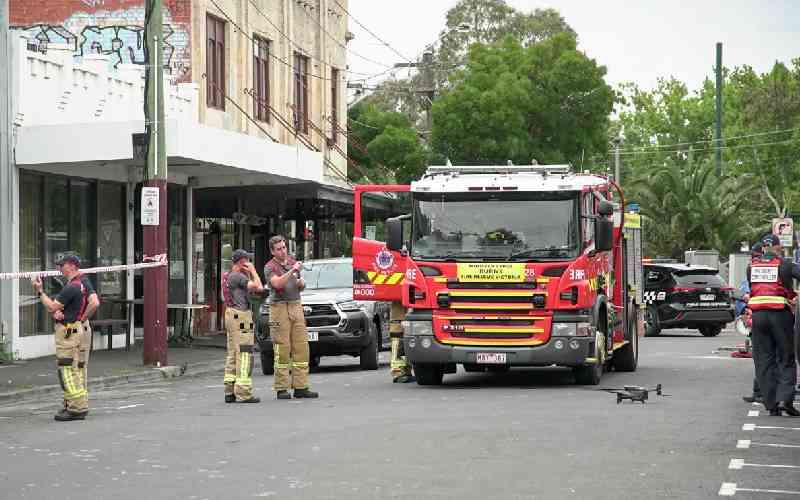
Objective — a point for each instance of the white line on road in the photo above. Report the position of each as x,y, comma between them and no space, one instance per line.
738,463
129,406
743,444
752,413
752,427
730,489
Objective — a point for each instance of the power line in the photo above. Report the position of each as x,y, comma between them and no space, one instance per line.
713,148
336,40
675,145
386,44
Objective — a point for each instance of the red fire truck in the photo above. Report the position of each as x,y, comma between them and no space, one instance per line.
502,266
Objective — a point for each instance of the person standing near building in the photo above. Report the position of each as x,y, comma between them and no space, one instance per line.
287,322
242,279
772,334
67,309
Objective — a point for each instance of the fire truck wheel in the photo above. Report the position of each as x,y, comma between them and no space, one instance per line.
591,374
429,374
711,330
651,324
626,358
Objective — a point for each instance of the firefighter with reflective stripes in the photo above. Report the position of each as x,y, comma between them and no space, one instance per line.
287,325
400,368
67,309
238,283
771,298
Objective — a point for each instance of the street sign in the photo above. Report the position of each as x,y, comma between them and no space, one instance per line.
783,228
150,206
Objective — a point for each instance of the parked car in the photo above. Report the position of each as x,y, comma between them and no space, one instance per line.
337,324
685,296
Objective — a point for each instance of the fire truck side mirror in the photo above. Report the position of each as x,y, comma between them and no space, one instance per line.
603,234
394,234
605,208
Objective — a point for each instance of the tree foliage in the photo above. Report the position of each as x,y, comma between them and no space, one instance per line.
385,145
547,101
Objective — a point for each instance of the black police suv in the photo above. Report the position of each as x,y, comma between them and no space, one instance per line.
686,296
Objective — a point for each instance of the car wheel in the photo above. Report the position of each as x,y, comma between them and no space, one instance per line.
711,330
313,362
652,326
267,363
369,355
429,374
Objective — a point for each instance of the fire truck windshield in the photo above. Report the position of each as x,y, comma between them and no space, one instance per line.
500,226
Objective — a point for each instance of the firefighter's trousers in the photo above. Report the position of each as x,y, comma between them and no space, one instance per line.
70,374
290,344
773,355
239,360
398,363
86,349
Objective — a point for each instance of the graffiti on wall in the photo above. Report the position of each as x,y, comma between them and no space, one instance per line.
119,35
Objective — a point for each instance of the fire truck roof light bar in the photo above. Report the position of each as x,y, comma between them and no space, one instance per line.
499,169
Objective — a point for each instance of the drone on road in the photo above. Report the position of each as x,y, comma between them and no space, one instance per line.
635,393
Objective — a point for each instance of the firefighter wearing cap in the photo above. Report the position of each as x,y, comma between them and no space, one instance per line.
746,315
67,309
771,296
239,282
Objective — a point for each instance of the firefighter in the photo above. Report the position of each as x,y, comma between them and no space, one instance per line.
287,322
771,297
742,310
67,309
400,368
242,279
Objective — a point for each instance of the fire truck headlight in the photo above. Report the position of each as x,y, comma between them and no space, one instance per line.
572,329
413,328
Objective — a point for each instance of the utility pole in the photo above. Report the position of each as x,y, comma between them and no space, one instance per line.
154,192
8,180
429,89
718,131
617,166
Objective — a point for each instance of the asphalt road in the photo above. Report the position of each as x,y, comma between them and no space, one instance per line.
530,433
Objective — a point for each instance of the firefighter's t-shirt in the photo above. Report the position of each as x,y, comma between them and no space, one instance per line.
70,297
291,293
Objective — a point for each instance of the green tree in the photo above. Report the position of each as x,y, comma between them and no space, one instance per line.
547,102
385,145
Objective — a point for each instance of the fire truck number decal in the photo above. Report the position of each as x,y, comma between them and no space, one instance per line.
363,291
411,274
763,274
493,272
577,274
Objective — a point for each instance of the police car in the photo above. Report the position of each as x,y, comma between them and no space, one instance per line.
685,296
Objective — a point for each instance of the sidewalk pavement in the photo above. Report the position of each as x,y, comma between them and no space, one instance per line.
35,377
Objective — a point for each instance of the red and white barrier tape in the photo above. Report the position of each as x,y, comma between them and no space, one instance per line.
155,261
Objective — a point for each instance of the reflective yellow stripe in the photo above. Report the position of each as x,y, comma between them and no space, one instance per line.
488,329
379,279
229,379
440,279
493,293
371,275
300,365
486,318
543,280
394,279
492,342
768,299
467,305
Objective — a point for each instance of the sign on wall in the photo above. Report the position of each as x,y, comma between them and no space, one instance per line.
150,206
783,228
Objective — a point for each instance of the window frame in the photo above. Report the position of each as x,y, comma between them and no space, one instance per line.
335,90
261,78
215,62
301,93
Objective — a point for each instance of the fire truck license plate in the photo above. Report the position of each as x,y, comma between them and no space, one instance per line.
313,336
708,296
491,358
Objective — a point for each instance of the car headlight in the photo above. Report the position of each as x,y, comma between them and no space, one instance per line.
572,329
350,306
417,328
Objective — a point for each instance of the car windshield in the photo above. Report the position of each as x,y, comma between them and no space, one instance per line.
505,226
328,275
695,279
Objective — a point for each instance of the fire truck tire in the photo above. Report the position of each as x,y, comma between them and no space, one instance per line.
652,327
429,374
711,330
627,358
590,374
267,363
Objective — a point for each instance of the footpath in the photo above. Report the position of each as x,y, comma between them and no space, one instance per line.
27,379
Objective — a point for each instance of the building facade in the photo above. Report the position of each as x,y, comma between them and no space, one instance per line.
255,129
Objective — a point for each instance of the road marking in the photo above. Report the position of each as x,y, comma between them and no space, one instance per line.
743,444
739,463
730,489
752,413
129,406
752,427
777,445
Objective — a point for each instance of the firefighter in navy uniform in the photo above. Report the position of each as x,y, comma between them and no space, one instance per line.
771,297
67,309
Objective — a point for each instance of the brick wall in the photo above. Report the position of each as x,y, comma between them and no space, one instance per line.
110,27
